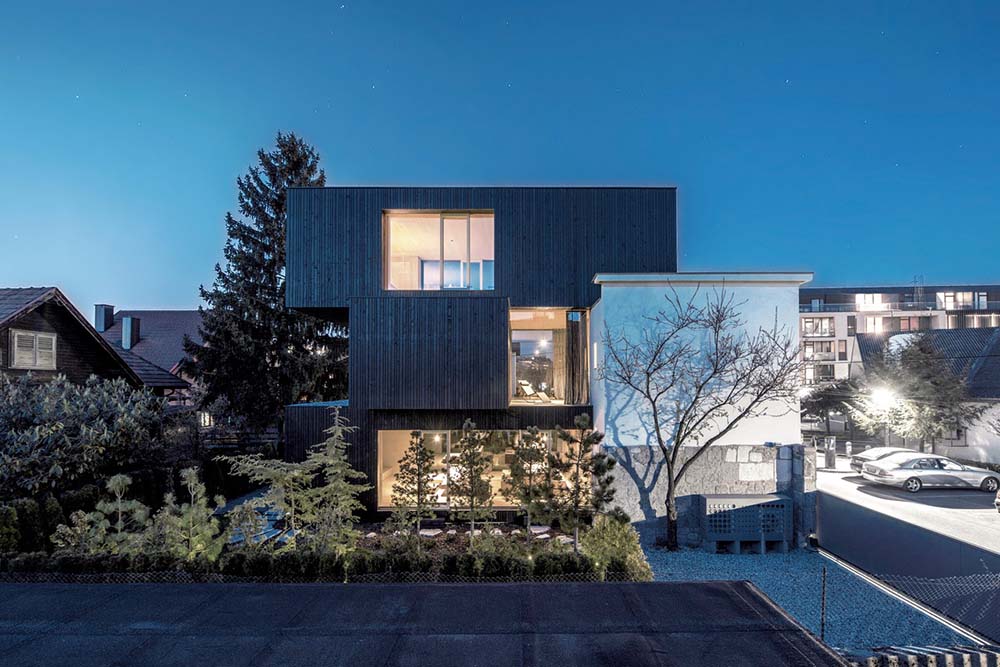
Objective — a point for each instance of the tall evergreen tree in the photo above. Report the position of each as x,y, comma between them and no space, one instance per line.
332,505
469,489
413,493
526,484
257,354
583,480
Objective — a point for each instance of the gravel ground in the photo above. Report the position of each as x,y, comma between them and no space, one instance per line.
859,616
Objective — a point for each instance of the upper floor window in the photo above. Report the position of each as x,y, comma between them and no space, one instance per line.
32,350
818,326
439,251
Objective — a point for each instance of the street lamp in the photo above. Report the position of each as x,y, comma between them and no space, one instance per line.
883,398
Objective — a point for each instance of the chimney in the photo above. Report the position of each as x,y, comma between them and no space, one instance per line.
130,332
104,317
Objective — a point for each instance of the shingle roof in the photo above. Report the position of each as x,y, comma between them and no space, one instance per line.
973,354
150,374
14,300
161,334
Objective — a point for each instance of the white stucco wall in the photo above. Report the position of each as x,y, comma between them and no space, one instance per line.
625,304
980,443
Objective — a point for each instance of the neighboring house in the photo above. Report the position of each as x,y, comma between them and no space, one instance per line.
972,354
42,333
152,343
831,317
487,303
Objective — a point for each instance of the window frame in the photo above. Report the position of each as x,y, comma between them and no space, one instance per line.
35,335
465,265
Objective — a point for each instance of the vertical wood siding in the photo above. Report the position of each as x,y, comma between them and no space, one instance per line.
426,353
549,241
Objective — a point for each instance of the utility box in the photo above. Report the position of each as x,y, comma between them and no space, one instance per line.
738,523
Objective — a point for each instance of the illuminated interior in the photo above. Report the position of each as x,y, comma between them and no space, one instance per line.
439,251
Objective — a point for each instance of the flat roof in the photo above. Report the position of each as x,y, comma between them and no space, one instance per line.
684,277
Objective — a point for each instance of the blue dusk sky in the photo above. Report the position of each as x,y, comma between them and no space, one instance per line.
857,140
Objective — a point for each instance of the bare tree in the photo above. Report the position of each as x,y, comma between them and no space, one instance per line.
698,373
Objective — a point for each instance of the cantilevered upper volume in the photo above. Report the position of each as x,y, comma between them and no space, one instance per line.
537,246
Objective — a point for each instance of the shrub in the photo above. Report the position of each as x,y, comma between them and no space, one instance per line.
80,500
478,565
614,547
53,433
152,562
10,536
52,516
552,563
29,525
33,562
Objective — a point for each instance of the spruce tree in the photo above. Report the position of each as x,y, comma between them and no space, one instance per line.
413,493
332,505
258,355
526,482
581,486
190,530
469,489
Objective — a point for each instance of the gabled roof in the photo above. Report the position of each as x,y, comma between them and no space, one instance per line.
161,334
973,354
16,302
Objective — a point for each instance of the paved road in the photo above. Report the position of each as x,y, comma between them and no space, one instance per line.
709,623
959,513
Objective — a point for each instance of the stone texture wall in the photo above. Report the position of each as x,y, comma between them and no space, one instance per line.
641,489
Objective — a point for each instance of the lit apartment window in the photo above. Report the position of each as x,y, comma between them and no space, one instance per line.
439,251
873,324
841,350
548,356
32,350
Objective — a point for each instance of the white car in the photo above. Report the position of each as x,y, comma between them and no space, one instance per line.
914,471
874,454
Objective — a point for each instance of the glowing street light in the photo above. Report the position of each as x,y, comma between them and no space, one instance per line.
884,398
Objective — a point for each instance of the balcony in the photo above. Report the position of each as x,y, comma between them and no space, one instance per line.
820,356
819,333
895,306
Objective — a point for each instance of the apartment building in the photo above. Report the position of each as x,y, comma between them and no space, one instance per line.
830,318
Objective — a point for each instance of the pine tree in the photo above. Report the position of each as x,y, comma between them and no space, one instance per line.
124,519
413,493
469,489
258,355
581,486
190,530
526,482
288,483
332,505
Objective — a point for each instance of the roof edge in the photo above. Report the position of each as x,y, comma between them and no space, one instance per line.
685,278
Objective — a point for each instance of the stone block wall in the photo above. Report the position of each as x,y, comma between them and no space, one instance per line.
641,489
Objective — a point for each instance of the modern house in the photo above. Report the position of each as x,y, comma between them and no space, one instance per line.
489,304
42,333
972,354
831,317
152,343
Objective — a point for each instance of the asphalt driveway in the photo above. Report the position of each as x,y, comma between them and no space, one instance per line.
709,623
963,514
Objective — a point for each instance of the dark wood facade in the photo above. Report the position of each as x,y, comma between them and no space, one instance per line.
429,360
429,353
549,241
79,352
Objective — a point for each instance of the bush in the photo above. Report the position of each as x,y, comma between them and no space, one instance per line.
614,547
57,432
52,516
29,525
83,499
554,563
10,536
478,565
33,562
152,562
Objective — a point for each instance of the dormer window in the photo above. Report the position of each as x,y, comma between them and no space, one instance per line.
431,250
32,350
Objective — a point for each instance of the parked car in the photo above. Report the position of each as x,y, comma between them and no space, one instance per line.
874,454
996,501
914,471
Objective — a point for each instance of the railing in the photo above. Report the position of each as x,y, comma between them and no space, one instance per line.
820,333
896,305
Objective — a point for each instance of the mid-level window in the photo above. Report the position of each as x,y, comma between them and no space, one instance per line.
548,356
439,251
444,445
818,326
32,350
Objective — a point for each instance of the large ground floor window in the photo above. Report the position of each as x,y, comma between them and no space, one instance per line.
444,444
